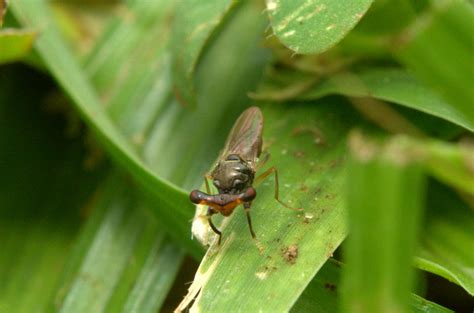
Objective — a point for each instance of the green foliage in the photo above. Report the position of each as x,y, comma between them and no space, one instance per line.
316,25
155,86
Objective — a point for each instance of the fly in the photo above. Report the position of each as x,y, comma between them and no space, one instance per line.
235,171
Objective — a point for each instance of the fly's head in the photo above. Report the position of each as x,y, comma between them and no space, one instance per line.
232,175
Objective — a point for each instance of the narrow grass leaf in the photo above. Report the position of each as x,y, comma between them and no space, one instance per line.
123,257
390,84
446,241
195,23
313,26
385,193
438,47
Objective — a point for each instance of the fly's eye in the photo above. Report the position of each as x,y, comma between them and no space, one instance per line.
238,184
216,183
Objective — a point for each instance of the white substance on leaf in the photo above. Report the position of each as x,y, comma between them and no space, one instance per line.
271,5
261,275
289,33
200,228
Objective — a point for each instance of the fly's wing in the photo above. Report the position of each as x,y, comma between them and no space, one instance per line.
245,138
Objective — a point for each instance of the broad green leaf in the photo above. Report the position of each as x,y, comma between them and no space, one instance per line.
394,85
15,44
385,192
313,26
447,239
307,145
68,73
438,47
195,23
323,293
44,188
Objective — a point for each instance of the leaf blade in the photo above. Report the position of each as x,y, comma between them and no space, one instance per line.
313,26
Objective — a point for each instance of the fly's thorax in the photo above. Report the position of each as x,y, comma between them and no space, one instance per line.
232,175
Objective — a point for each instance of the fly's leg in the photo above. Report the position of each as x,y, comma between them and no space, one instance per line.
264,175
209,214
249,220
262,161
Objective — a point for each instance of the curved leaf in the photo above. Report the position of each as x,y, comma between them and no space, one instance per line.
313,26
446,241
195,22
66,70
438,47
394,85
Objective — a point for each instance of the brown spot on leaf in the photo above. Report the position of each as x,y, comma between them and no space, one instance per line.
290,253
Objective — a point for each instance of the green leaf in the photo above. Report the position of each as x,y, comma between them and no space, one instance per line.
68,73
141,107
438,47
446,240
451,164
307,145
394,85
322,294
313,26
195,23
129,261
385,191
15,44
123,260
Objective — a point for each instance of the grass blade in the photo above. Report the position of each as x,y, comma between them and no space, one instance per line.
438,47
385,192
445,247
196,21
390,84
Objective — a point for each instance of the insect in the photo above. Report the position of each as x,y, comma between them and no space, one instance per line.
235,171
